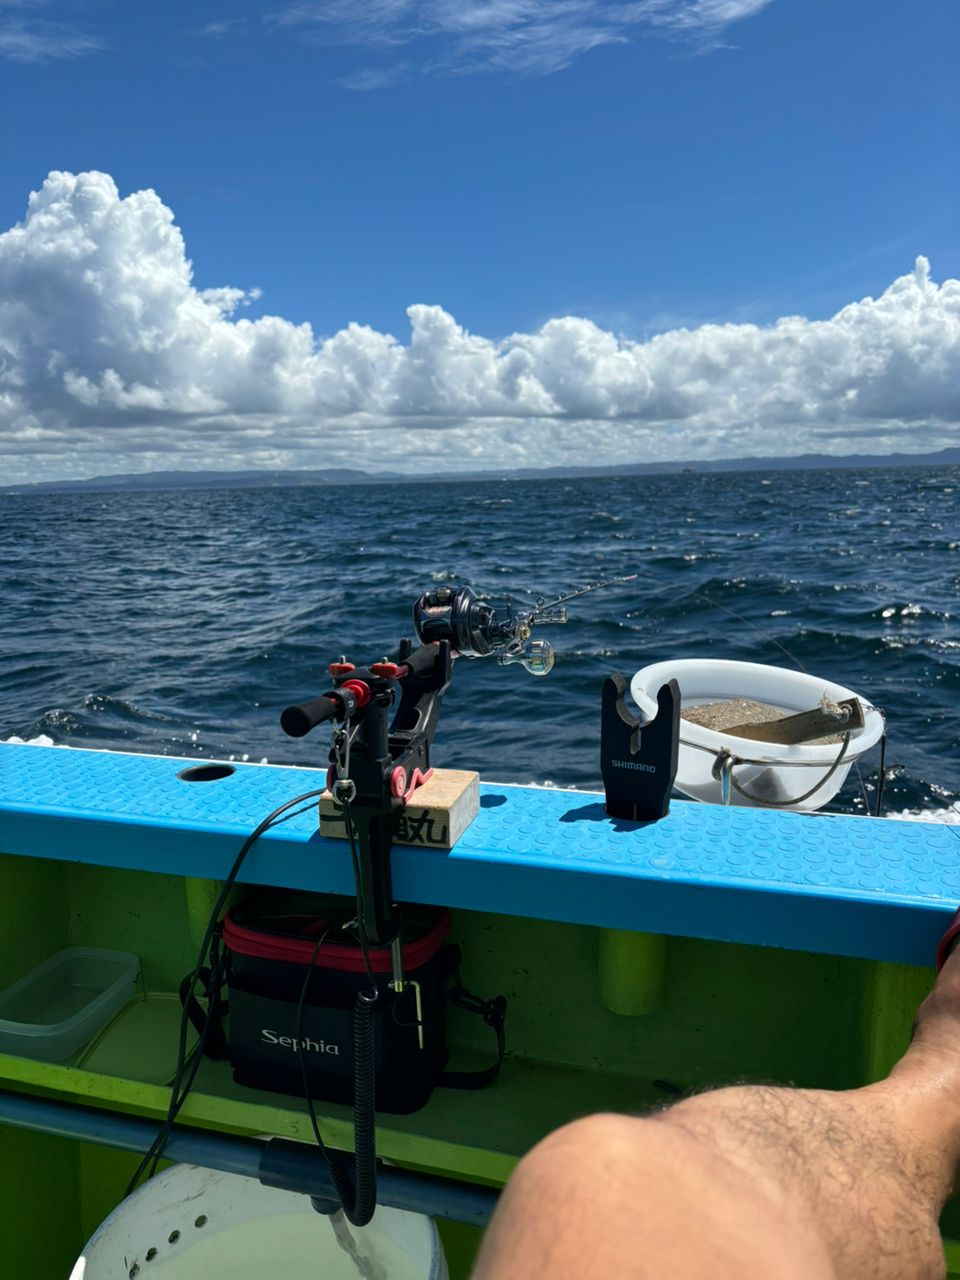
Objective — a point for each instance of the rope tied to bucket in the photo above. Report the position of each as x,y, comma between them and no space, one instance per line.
789,730
726,761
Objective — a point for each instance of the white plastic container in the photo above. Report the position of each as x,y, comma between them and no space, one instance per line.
195,1224
786,772
58,1007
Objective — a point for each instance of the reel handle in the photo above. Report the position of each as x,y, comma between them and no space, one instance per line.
535,656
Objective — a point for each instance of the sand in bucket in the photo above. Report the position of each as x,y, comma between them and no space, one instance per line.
740,711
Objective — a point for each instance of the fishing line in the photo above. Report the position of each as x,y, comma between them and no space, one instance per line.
700,595
361,931
715,604
863,787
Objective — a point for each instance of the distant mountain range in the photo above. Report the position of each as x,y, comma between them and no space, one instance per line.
265,479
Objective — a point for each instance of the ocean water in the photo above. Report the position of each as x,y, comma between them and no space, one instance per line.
182,622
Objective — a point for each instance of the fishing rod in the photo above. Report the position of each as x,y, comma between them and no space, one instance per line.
478,630
375,765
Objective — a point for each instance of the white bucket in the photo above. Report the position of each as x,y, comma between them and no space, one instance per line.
189,1223
786,772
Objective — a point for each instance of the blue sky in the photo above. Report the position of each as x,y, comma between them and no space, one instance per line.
647,167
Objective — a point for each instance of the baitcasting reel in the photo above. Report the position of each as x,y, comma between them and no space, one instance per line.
475,629
384,717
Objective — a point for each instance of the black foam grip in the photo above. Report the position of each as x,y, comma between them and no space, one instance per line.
298,720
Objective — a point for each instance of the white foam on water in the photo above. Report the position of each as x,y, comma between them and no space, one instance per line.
950,816
43,740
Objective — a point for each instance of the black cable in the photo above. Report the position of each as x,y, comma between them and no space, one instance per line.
881,774
179,1090
357,1196
298,1033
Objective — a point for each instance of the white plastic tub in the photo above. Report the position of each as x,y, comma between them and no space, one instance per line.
195,1224
58,1007
786,772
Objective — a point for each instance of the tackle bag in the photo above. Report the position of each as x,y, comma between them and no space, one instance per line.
285,975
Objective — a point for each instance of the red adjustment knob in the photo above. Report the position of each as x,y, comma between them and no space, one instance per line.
341,668
359,690
389,670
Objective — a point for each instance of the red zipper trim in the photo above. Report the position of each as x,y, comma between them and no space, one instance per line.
346,957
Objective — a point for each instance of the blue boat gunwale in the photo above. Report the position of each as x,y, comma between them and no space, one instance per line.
827,883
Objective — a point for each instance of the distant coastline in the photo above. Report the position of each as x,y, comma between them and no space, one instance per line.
151,481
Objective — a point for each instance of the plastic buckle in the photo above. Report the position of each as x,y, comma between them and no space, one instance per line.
495,1012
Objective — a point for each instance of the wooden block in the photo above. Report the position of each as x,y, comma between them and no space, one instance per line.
435,816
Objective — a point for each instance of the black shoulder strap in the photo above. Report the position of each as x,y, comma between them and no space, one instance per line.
493,1012
208,1022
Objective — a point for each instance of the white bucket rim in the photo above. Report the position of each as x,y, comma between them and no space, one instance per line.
658,673
183,1183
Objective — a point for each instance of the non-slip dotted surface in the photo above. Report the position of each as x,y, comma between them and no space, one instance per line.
828,883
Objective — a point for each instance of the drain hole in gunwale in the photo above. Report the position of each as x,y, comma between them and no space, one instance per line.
206,772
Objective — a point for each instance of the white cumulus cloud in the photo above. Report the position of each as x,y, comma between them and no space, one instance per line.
112,359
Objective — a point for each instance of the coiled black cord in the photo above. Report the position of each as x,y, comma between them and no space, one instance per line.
357,1193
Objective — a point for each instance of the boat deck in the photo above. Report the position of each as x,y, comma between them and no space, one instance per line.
826,883
799,946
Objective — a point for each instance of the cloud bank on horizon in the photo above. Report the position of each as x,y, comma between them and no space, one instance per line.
112,360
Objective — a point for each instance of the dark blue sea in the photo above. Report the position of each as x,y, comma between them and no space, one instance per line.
181,622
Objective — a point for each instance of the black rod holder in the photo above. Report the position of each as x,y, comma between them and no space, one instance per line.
638,762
